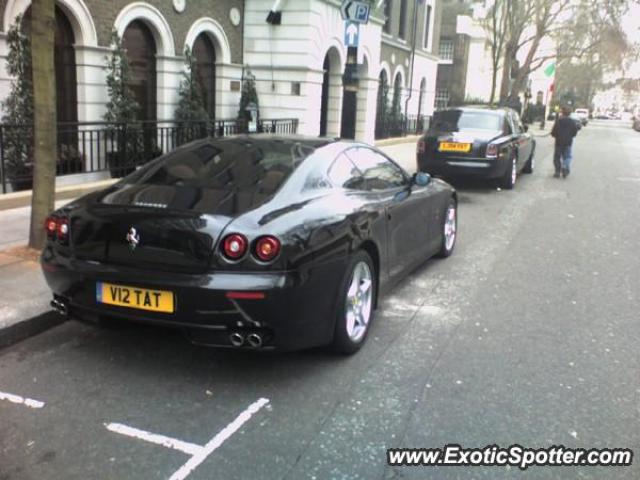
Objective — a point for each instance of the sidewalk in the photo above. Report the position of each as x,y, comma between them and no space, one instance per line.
24,294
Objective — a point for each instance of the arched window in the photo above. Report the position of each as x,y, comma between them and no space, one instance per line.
204,54
141,52
64,59
65,65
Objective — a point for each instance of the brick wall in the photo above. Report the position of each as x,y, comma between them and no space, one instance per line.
104,13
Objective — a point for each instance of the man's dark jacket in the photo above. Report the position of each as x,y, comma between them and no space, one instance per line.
564,130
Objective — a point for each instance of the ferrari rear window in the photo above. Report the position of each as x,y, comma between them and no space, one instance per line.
223,170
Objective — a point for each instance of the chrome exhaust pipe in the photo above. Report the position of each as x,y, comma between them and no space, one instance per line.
254,340
59,307
236,339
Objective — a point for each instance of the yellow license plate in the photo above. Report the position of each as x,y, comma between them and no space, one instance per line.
455,147
134,297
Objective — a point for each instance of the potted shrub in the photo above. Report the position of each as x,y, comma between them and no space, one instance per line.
248,120
122,110
191,118
18,111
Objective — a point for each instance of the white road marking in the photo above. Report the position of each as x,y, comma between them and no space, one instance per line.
198,453
28,402
186,447
218,440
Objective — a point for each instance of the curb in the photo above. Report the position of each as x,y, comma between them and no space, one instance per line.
23,199
29,328
397,141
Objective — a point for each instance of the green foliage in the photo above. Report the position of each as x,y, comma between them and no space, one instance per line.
18,106
248,95
382,104
190,98
122,106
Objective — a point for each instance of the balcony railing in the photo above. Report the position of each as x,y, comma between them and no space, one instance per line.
89,147
401,127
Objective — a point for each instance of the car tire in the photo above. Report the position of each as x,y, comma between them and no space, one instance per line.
356,304
449,229
508,180
530,165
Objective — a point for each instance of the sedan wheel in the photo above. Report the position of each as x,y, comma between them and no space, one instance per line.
530,165
509,179
357,304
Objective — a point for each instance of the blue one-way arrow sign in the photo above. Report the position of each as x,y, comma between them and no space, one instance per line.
351,34
355,11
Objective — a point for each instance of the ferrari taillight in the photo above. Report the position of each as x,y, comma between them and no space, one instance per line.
57,228
234,246
267,248
492,150
51,226
63,229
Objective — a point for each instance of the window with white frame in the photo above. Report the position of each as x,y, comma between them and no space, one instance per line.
442,98
446,50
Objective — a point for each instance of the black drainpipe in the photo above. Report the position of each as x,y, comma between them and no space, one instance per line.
413,58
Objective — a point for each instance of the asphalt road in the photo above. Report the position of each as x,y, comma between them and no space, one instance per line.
528,334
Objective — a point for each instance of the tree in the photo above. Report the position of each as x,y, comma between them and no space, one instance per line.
122,106
519,27
396,108
248,96
121,113
190,98
44,96
382,105
496,24
18,109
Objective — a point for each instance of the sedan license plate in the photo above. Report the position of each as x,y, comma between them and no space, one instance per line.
455,147
134,297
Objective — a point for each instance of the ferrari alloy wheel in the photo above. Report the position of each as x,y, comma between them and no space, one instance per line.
355,311
449,229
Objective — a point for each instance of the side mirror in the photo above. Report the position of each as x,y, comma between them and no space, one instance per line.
421,179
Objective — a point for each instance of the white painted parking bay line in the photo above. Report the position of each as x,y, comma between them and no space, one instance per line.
198,453
186,447
28,402
218,440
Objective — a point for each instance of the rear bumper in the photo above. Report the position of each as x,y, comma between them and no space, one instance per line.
297,311
463,166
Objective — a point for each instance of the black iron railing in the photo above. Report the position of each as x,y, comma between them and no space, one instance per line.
117,148
400,127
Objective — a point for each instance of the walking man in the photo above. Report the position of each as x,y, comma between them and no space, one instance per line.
564,129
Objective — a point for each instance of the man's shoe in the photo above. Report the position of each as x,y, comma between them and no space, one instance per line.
556,175
565,172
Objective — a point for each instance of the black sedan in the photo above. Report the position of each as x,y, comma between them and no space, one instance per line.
477,141
252,241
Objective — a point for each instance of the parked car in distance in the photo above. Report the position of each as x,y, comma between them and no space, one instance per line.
583,115
626,116
256,241
477,141
576,119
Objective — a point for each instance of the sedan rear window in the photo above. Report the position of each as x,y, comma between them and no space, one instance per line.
456,120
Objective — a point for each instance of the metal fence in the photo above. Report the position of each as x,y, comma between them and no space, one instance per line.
88,147
400,127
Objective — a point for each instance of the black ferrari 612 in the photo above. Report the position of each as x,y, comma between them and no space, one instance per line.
256,241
